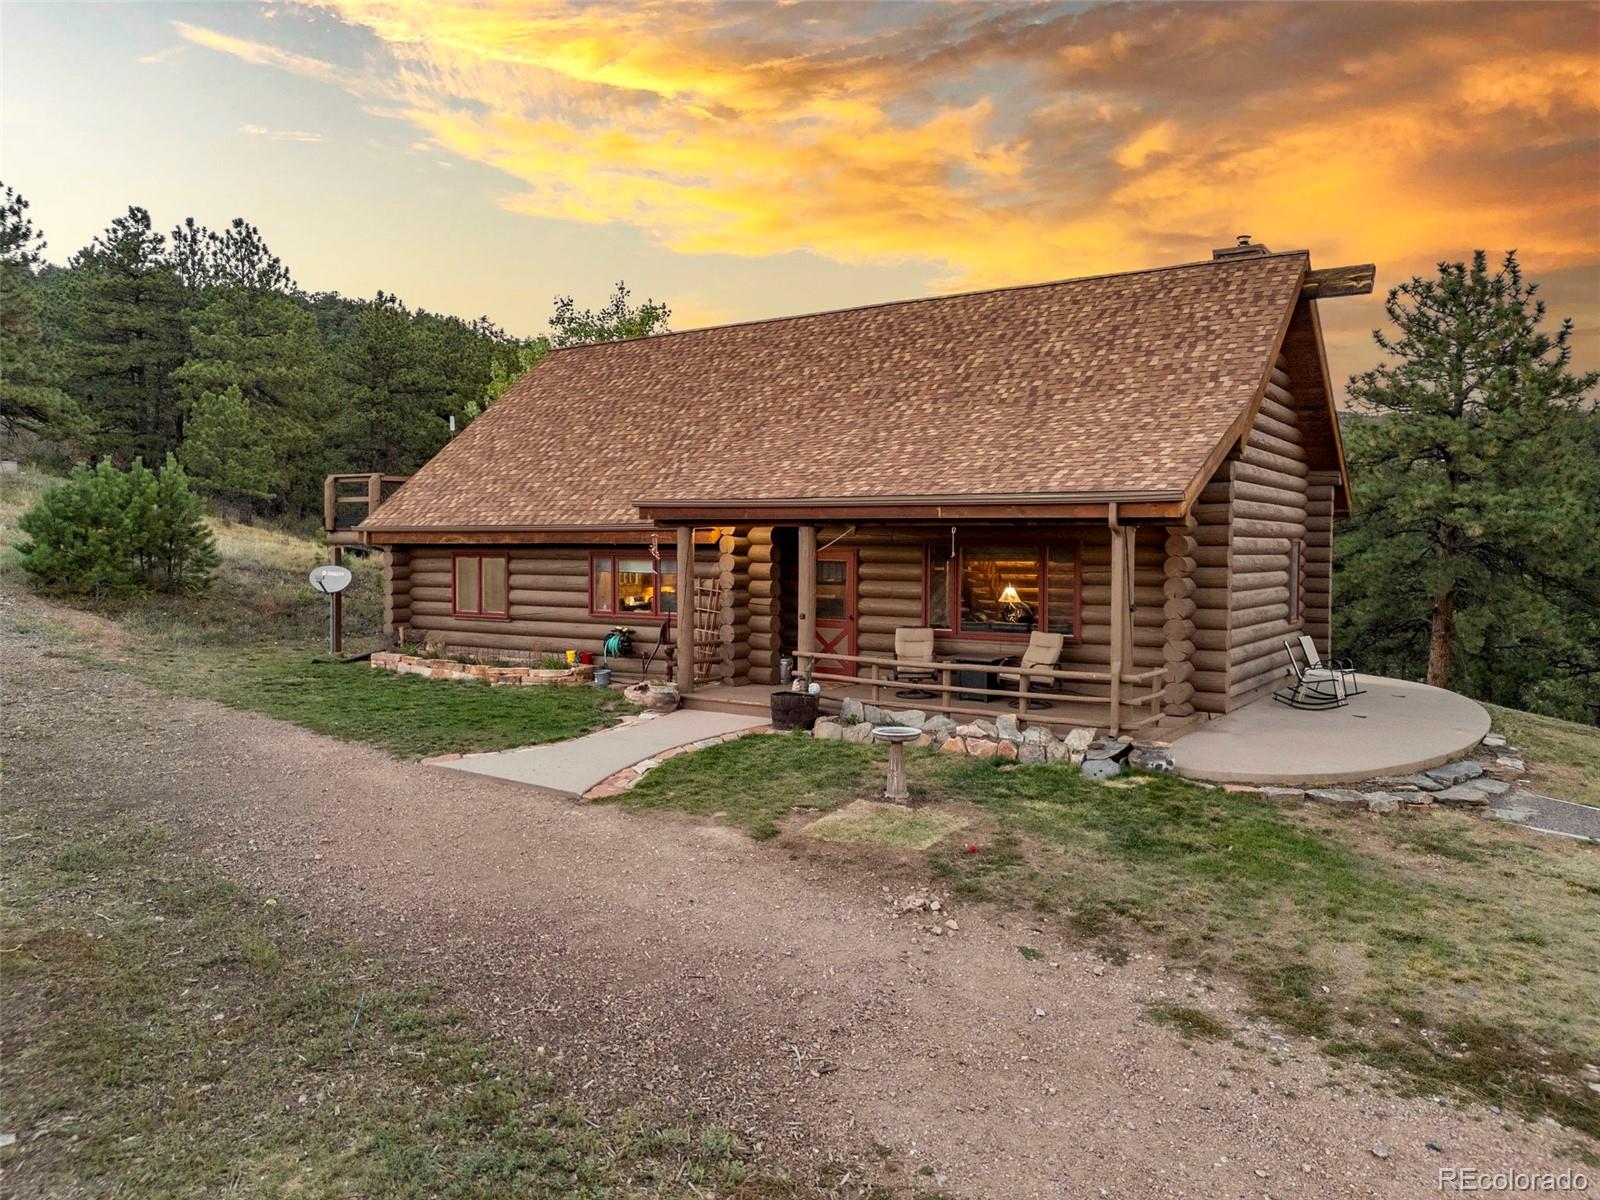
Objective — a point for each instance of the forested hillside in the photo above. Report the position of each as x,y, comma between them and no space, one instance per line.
200,343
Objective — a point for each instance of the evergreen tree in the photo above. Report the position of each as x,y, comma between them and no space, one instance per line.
31,398
1470,556
398,403
177,547
225,452
128,336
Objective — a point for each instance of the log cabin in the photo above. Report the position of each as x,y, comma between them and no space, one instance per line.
1147,464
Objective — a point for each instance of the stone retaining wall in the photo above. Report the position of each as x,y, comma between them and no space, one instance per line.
493,674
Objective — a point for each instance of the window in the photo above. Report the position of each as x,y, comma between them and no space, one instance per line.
479,588
632,585
1004,589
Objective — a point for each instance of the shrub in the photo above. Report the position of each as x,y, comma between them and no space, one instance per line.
109,532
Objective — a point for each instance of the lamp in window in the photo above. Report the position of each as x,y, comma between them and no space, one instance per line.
1015,608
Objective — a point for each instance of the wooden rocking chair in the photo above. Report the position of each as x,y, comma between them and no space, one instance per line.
1314,687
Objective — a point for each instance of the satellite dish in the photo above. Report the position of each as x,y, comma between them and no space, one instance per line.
329,579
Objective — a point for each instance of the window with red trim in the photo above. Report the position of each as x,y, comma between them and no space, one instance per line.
480,586
631,583
1004,589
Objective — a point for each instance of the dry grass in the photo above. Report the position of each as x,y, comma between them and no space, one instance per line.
1563,755
887,825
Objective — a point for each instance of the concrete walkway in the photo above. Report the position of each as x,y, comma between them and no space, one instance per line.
574,766
1392,728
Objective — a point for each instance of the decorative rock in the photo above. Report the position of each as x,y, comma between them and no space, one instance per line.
873,715
1457,772
1426,782
1489,787
1462,797
1148,758
939,723
1008,750
971,730
850,709
828,729
1506,767
913,717
1382,802
1283,795
861,731
980,747
1058,752
1336,797
923,739
1033,752
1036,734
954,745
1078,740
1494,741
1005,726
1101,768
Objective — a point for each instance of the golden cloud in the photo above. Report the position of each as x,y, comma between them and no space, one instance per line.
1008,143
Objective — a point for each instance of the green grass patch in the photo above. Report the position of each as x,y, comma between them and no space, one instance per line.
754,783
173,1035
403,714
1563,756
1194,1024
1337,925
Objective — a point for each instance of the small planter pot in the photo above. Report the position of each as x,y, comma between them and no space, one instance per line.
602,677
794,710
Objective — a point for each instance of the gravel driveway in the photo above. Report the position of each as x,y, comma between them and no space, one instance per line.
680,963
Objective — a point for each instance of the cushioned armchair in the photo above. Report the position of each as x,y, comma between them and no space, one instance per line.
1043,653
913,646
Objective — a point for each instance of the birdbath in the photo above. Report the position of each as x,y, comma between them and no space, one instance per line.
897,736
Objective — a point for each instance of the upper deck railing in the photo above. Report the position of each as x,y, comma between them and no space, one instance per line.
347,500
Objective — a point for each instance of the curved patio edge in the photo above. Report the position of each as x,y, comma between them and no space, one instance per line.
1393,727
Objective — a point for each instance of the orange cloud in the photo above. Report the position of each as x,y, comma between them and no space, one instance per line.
1007,143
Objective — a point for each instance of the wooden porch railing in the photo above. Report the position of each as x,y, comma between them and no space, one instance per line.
947,694
347,500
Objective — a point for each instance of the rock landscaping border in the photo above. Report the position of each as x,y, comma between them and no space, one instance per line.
620,781
494,674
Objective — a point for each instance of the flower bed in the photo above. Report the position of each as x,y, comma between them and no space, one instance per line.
494,674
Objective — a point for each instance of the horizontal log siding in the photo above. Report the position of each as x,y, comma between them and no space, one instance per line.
733,570
548,609
1319,561
1211,590
396,590
1269,490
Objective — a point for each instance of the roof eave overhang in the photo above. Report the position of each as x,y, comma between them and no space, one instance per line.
633,533
1130,505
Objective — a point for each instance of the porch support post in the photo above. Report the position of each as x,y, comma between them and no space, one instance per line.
806,596
684,658
1119,615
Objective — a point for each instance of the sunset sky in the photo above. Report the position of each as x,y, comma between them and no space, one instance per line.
748,160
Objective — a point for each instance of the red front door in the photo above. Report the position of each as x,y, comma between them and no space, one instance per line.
836,609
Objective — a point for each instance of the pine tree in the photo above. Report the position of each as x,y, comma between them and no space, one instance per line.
31,399
1471,549
225,452
128,336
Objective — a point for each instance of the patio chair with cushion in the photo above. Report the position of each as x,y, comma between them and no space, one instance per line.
913,646
1043,653
1314,687
1344,666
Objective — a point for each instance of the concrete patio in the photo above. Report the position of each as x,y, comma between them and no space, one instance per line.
1392,728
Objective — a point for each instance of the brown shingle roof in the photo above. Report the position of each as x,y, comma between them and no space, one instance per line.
1118,383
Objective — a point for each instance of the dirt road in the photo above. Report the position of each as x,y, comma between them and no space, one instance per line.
771,990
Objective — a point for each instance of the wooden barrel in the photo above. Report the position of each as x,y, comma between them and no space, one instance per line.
794,710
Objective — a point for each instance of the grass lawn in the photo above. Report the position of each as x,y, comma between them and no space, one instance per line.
1449,950
251,642
1563,755
169,1034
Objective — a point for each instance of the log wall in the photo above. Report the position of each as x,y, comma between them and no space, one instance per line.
1319,560
763,585
1269,492
548,605
396,589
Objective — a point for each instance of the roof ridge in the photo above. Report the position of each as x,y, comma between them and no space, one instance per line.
1010,287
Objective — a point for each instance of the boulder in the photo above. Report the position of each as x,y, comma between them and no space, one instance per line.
828,729
1284,795
1382,802
1006,727
1078,740
971,730
861,731
939,723
1033,752
1336,797
912,717
1453,773
954,745
850,709
1036,735
873,715
1101,768
980,747
1058,752
1462,797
